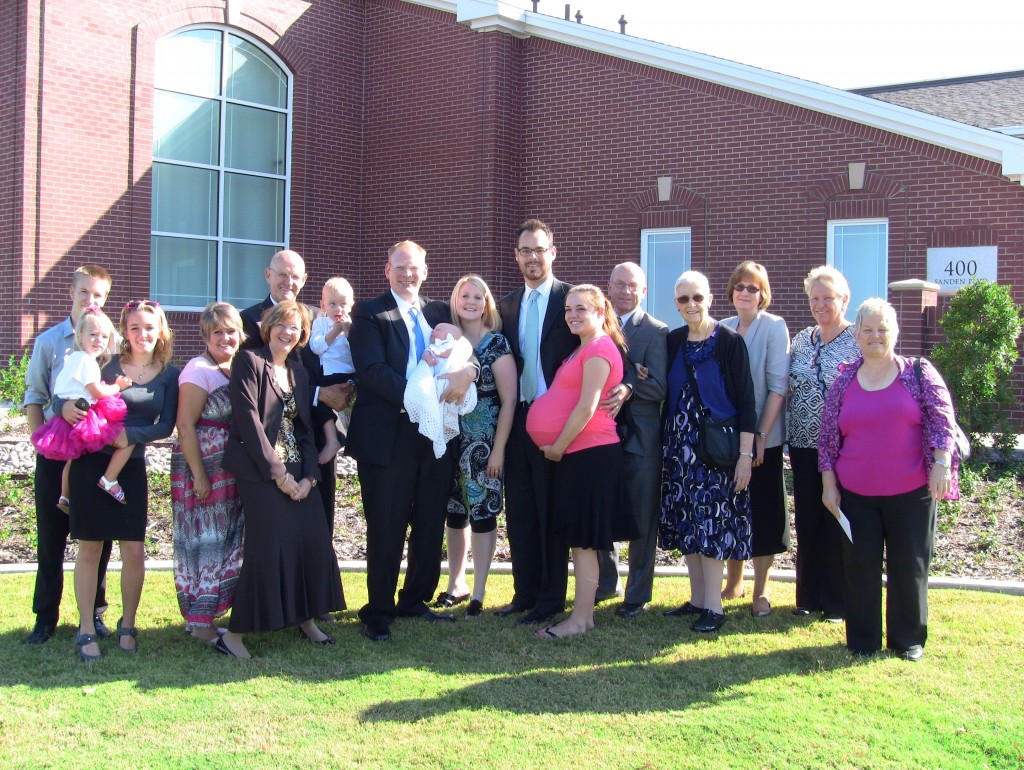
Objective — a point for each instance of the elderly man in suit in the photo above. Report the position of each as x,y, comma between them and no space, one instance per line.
533,319
286,275
404,486
645,337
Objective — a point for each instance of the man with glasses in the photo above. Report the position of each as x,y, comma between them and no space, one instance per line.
404,486
648,353
286,275
533,320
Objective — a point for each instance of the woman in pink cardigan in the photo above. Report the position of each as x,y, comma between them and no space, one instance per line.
886,455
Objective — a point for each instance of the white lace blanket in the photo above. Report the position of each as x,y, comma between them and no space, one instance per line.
438,421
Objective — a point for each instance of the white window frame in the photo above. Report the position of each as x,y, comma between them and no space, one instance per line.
222,169
660,299
882,274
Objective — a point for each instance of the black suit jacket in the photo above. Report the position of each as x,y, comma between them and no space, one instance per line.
556,341
257,408
380,344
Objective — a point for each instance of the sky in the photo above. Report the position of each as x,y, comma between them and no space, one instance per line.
840,44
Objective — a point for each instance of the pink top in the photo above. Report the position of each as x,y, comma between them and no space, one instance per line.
199,371
549,412
881,441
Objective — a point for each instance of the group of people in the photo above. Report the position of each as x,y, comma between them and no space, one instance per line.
571,409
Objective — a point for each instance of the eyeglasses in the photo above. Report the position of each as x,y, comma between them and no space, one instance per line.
291,277
684,299
288,329
538,251
135,303
749,288
622,286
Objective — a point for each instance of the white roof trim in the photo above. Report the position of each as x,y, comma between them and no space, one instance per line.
495,15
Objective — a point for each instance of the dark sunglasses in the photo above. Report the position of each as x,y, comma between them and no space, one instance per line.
684,299
139,302
749,288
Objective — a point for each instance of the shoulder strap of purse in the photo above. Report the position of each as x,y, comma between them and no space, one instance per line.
693,380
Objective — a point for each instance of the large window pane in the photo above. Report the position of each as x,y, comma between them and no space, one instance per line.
255,139
253,76
253,208
860,251
664,254
189,62
183,271
243,281
186,128
184,200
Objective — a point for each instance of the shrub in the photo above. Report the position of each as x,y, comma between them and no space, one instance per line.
12,380
981,324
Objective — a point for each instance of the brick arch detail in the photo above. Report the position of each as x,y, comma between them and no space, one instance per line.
681,197
875,185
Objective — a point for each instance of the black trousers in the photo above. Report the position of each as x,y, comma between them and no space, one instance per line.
53,527
819,548
904,525
540,561
410,494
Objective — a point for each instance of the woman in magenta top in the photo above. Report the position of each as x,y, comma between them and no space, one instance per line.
886,455
590,503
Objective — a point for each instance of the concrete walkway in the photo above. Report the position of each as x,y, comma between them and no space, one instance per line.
1013,587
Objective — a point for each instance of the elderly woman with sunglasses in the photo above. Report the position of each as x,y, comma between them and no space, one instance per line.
705,510
814,360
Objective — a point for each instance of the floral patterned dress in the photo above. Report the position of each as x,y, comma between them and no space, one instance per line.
207,533
700,512
473,492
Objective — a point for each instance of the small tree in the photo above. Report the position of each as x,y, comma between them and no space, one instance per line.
981,324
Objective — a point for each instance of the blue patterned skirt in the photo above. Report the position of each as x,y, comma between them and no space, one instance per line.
700,512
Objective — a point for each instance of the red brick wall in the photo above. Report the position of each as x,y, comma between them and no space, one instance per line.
12,127
409,125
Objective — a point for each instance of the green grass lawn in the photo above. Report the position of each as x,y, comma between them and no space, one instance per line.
775,693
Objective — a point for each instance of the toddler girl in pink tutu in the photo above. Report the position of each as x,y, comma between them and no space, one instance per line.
80,380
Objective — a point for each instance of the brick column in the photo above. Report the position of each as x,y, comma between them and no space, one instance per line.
915,302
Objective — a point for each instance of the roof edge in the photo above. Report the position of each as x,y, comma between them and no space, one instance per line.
499,16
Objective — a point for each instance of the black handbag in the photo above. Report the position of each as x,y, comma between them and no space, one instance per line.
718,440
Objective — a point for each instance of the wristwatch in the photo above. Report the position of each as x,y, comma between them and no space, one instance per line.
751,454
313,483
762,434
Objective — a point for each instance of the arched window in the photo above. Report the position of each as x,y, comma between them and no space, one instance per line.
221,130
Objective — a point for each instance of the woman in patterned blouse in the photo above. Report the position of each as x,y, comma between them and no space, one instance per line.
815,356
886,456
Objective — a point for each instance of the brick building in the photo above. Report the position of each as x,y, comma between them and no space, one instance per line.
180,143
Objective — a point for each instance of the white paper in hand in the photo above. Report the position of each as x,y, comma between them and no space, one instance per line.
845,524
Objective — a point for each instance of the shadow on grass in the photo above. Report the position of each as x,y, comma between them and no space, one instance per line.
637,687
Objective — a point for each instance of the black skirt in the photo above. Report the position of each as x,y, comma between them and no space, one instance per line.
289,568
592,506
95,515
769,519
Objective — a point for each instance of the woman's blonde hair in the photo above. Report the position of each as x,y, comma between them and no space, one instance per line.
281,312
832,278
490,316
881,308
597,301
220,315
164,339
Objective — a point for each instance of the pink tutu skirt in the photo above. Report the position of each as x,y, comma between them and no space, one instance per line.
58,439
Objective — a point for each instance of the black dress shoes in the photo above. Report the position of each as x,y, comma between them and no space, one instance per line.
43,634
510,609
533,617
428,615
376,633
684,610
913,653
630,610
709,621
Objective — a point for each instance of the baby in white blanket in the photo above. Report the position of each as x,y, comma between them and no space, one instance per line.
438,421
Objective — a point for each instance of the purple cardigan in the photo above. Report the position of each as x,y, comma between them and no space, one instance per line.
936,407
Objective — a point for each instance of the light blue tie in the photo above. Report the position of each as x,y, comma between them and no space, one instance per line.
531,344
417,333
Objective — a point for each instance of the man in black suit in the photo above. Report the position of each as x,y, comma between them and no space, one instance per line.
286,275
403,485
648,353
540,569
